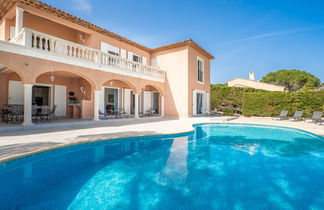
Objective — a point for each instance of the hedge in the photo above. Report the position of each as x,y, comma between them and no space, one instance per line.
225,98
266,104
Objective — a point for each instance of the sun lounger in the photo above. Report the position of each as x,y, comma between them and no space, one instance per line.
282,116
317,117
298,115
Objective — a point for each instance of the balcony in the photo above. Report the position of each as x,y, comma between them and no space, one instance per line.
48,46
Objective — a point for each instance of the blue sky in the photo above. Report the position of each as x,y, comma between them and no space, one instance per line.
243,35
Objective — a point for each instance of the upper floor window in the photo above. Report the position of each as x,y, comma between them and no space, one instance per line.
107,48
113,53
200,68
137,58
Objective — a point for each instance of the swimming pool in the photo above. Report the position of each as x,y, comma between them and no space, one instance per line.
218,166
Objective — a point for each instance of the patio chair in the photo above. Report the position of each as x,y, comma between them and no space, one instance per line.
121,113
282,116
298,115
52,113
150,112
317,117
17,113
5,113
34,114
45,113
104,115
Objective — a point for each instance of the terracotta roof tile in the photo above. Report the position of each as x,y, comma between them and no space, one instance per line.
5,5
188,42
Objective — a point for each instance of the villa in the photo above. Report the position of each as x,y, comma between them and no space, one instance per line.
49,57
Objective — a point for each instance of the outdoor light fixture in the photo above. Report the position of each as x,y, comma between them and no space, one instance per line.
82,37
82,89
52,78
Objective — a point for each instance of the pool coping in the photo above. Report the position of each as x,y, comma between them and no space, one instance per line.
9,158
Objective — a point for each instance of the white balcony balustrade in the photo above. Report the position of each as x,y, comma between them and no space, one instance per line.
49,44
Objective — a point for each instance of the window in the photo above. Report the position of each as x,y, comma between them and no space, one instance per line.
137,58
113,53
107,48
200,66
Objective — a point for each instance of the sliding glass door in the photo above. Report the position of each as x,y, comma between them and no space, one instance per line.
199,103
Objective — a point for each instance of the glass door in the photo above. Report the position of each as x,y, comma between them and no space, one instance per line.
199,103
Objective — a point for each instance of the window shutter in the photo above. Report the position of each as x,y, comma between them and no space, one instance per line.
144,61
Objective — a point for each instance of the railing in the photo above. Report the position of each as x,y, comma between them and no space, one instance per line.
43,42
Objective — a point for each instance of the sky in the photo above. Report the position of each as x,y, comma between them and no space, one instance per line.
243,35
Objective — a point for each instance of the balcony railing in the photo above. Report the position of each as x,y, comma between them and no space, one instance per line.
47,43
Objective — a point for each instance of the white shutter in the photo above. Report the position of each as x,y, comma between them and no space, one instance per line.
194,102
103,47
107,47
102,100
144,61
60,100
207,102
130,56
123,53
15,92
147,100
127,101
204,103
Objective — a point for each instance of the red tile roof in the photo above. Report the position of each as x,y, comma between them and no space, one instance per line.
6,5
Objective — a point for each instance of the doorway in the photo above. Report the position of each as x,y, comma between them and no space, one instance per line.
41,95
111,100
199,103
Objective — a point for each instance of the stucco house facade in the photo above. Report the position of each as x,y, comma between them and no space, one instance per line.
49,57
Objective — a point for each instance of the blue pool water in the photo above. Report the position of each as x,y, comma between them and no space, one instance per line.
218,166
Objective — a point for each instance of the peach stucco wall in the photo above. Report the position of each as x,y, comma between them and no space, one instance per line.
32,70
180,63
49,27
193,76
53,25
29,68
175,63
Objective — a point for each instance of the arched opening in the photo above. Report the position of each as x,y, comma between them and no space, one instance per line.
68,94
11,96
116,98
150,101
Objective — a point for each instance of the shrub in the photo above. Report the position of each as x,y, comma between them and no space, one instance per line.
223,97
266,104
228,112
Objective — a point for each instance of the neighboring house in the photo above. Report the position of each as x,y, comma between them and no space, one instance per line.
252,83
48,57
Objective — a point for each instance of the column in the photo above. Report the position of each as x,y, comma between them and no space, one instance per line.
136,106
19,20
162,106
28,94
96,105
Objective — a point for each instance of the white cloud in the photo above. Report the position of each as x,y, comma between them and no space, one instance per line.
82,5
286,32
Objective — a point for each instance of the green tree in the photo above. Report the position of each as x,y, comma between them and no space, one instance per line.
292,79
